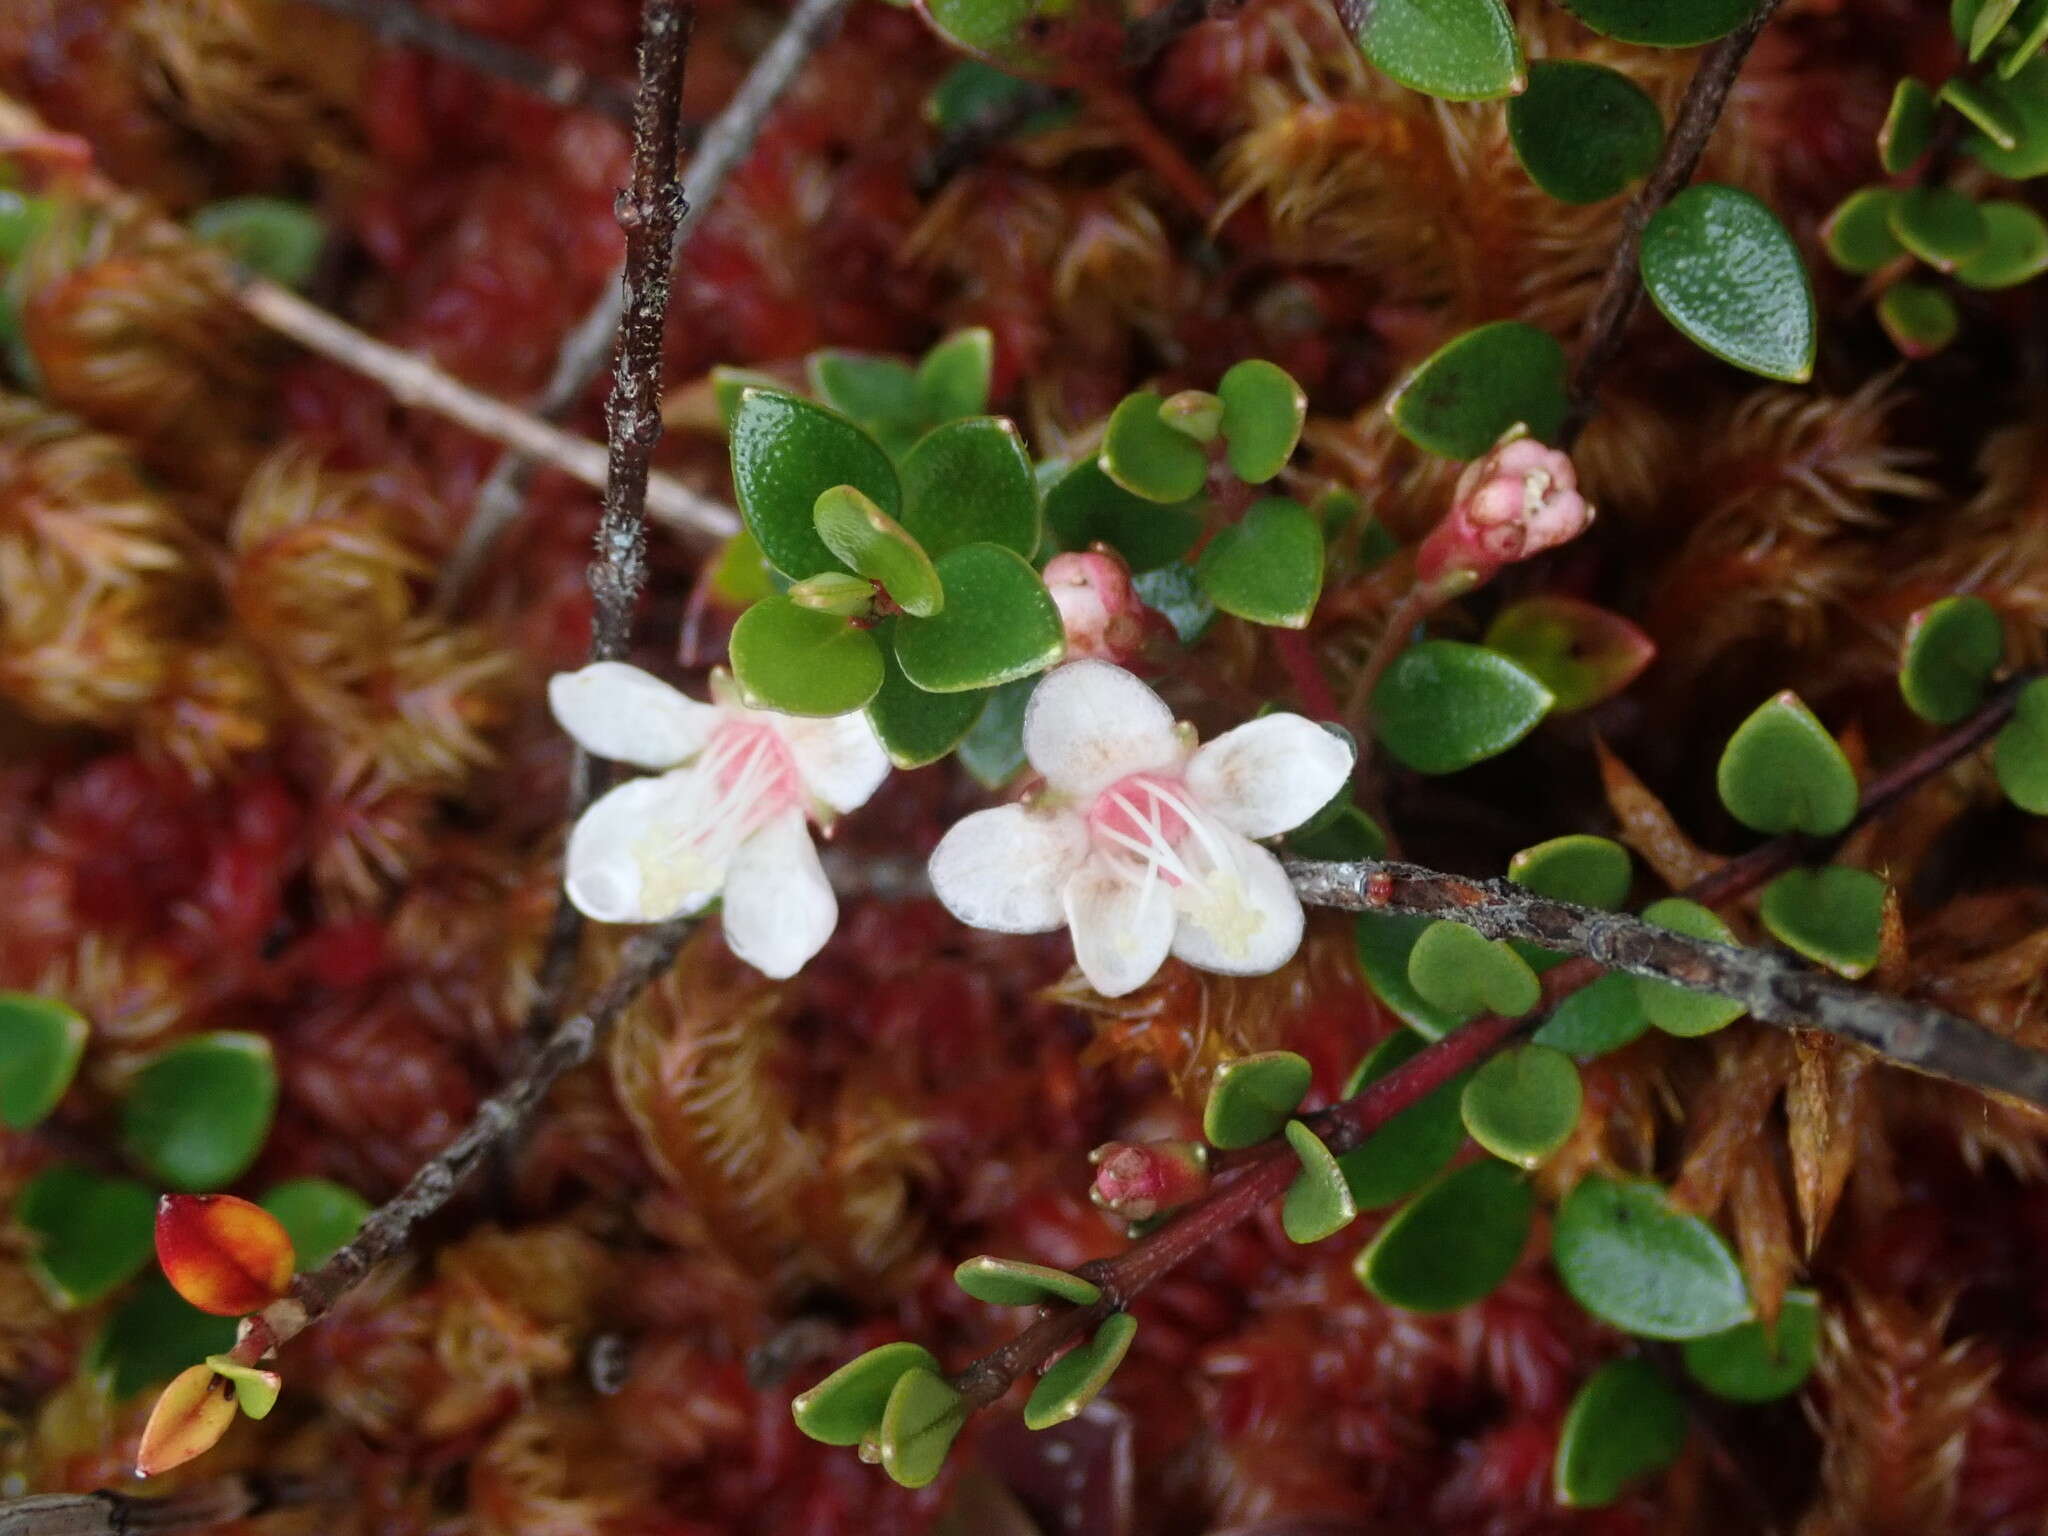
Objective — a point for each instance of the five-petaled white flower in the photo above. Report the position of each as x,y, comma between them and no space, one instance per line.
727,814
1141,843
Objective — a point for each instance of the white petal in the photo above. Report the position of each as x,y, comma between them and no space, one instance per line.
1090,723
839,758
630,716
1252,926
779,907
618,853
1121,929
1005,869
1269,775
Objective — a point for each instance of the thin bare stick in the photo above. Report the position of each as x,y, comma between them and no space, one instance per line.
195,1508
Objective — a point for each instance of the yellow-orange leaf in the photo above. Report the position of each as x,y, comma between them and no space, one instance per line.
193,1413
223,1255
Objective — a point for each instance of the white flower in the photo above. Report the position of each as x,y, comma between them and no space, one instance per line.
1141,843
728,814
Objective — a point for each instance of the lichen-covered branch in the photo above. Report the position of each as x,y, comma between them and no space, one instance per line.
198,1507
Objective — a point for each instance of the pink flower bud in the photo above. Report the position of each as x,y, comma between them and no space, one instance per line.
1519,500
1102,614
1136,1180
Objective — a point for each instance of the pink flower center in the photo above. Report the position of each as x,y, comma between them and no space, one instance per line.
1144,816
754,772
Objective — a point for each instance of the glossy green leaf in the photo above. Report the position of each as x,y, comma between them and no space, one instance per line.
1663,23
1084,506
786,452
1939,225
1453,1243
1984,109
2029,33
803,662
1268,567
1445,705
971,483
999,623
1522,1105
875,545
92,1235
916,727
155,1334
1193,413
953,380
918,1427
1624,1423
1582,653
2020,754
1478,385
729,384
1014,1283
972,94
2015,249
1919,318
1456,50
1173,593
1148,458
1632,1261
256,1389
1674,1009
41,1043
2023,99
1592,871
1908,127
1583,132
1263,409
1753,1362
993,751
1858,234
1977,23
318,1215
1460,971
1951,649
1350,834
993,27
1074,1380
1596,1019
198,1113
838,592
877,393
1415,1145
1723,270
1252,1097
847,1406
1782,772
1319,1203
269,236
1385,941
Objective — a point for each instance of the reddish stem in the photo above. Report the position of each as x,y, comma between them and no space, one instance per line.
1298,657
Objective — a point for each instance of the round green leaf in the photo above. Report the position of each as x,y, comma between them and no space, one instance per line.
994,27
2023,102
1193,413
2020,754
993,750
155,1334
916,727
1951,649
879,393
1632,1261
1173,593
1072,1382
836,592
876,546
1592,871
1084,506
1445,705
198,1114
1461,971
2015,247
999,623
803,662
1858,234
1413,1147
970,482
786,453
1939,225
1457,50
1583,132
972,97
277,239
1582,653
953,380
1268,567
1385,941
1663,23
847,1406
1014,1283
1453,1243
1145,456
1782,772
1319,1202
92,1234
1253,1097
1908,127
1674,1009
1624,1423
1919,318
1263,409
1476,386
1985,109
1522,1105
1596,1019
41,1043
1723,270
1832,915
918,1426
1753,1363
318,1215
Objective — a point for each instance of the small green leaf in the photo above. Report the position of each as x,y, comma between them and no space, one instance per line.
1084,506
918,1427
2023,101
1073,1381
1385,941
970,482
1148,458
1263,409
1833,915
1252,1097
1194,414
1319,1202
1674,1009
953,380
1632,1261
1173,593
41,1043
92,1234
1596,1019
1583,654
1782,772
1722,269
1663,23
1592,871
1445,705
2030,31
1267,568
1415,1145
1939,225
1754,1363
999,623
1461,971
1625,1423
1918,317
1908,127
1014,1283
1522,1105
255,1388
836,592
155,1334
2020,754
318,1215
1583,132
878,547
803,662
22,222
786,452
1478,385
1986,19
916,727
993,750
879,394
970,95
1951,649
2015,249
1453,1243
1350,834
847,1406
1858,234
1985,109
1457,50
269,236
727,385
198,1113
